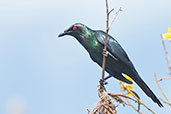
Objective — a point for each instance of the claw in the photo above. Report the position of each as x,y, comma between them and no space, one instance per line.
102,82
105,53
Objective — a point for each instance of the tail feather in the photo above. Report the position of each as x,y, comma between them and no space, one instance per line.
145,88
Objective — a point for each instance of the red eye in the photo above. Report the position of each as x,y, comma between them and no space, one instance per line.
74,28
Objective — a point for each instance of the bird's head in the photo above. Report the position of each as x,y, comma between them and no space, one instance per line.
78,30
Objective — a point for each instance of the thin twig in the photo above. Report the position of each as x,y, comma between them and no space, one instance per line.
105,47
129,103
167,78
116,14
122,95
165,101
166,54
110,11
160,88
107,32
133,107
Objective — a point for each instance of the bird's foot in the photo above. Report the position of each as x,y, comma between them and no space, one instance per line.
105,52
102,82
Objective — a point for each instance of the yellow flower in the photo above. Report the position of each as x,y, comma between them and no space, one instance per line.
130,87
124,86
167,35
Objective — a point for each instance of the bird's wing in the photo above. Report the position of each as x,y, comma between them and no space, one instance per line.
117,51
113,47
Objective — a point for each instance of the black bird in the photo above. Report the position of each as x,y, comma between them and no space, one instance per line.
117,61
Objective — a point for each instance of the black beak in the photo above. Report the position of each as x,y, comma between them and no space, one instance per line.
63,33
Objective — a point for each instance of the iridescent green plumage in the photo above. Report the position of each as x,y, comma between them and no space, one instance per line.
117,63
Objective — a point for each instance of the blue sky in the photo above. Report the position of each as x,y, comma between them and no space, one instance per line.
43,74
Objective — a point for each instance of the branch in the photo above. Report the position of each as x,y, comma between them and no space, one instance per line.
107,32
133,106
160,88
165,101
105,47
120,95
166,55
110,11
116,14
167,78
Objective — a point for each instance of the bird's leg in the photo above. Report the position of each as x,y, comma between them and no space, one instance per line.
107,77
103,82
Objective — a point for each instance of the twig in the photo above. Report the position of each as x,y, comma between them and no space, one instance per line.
138,110
129,103
120,95
105,105
116,14
167,78
166,54
110,11
107,32
105,47
137,98
165,101
160,88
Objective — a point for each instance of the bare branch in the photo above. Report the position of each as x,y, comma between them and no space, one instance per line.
116,14
107,31
160,88
166,55
105,47
120,95
110,11
165,101
129,103
167,78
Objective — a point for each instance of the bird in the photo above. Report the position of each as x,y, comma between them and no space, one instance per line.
117,61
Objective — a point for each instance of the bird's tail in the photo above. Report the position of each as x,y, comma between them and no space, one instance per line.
145,88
